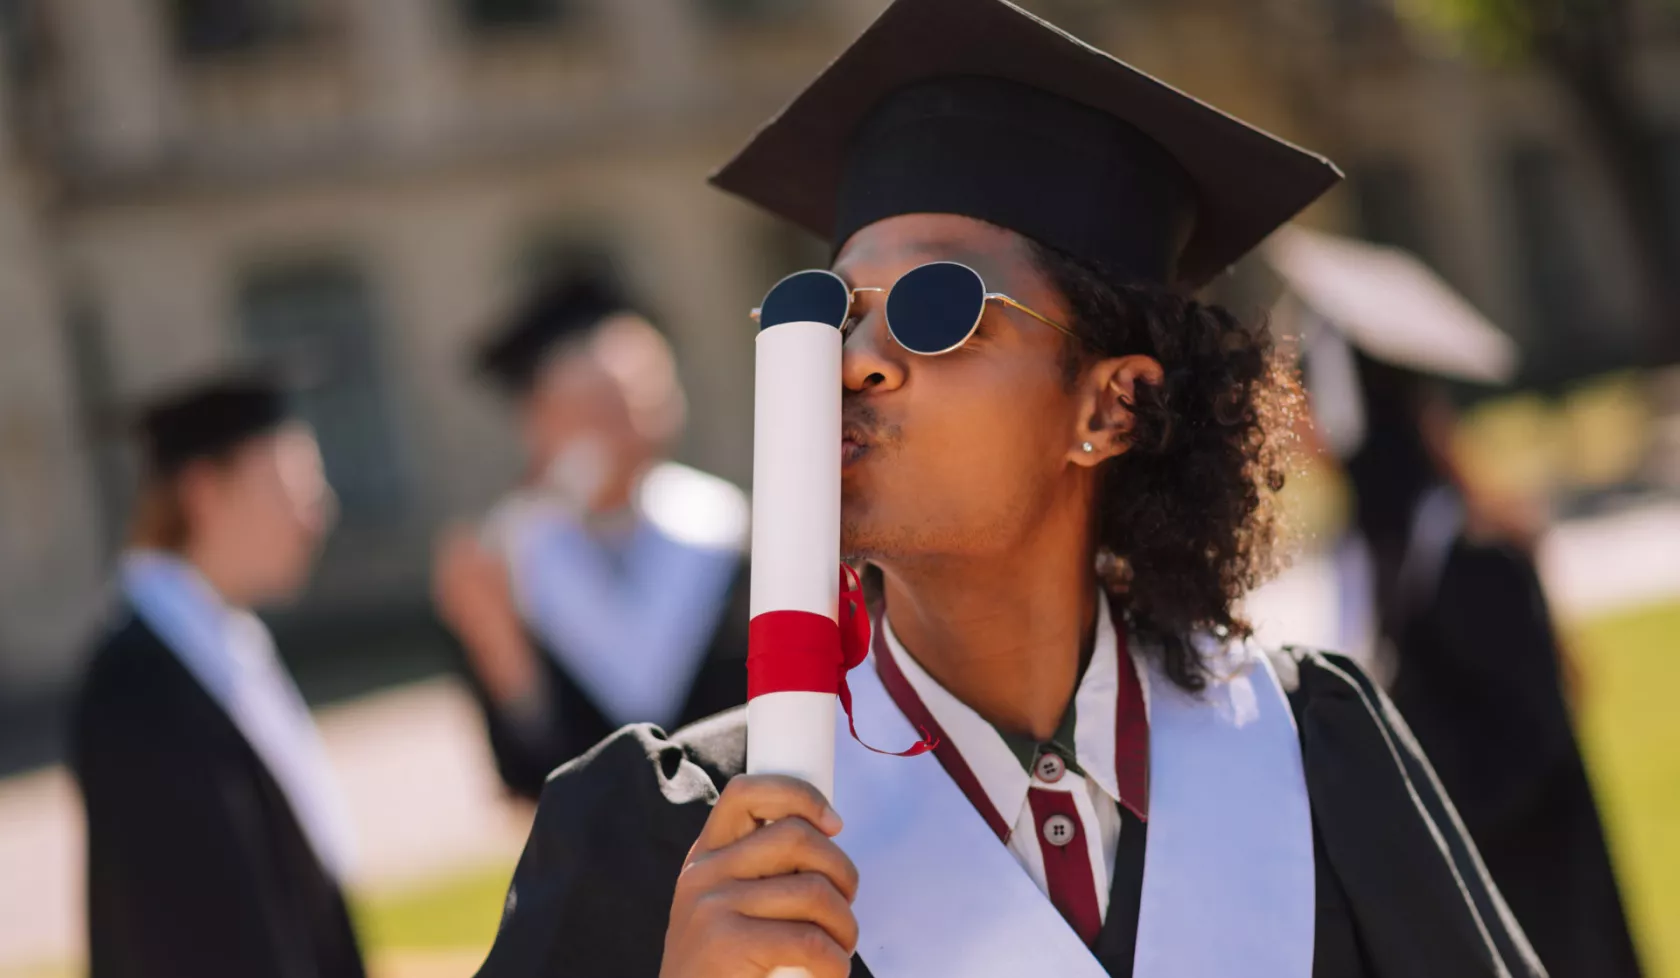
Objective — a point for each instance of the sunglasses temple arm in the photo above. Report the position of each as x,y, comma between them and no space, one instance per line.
1011,303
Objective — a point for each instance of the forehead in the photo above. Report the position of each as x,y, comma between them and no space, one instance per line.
294,447
573,369
288,449
898,243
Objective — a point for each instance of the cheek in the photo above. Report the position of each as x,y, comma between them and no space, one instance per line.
985,445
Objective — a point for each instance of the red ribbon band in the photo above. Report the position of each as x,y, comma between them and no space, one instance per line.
800,651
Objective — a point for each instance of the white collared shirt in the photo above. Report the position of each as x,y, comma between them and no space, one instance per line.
1096,794
231,655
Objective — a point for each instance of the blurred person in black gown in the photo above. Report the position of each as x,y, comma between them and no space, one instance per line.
1443,598
217,841
609,587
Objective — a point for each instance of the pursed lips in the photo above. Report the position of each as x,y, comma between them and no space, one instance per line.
854,444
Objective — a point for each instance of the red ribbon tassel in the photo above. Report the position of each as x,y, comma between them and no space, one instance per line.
799,651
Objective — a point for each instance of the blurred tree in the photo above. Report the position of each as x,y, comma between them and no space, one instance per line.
1589,47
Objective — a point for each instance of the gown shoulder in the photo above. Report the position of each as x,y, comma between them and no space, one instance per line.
592,891
1415,883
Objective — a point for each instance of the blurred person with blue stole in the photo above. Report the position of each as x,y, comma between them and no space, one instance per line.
1059,468
217,839
1440,597
610,587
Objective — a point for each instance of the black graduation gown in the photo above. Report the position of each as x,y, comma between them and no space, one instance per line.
1400,889
574,723
1478,683
196,866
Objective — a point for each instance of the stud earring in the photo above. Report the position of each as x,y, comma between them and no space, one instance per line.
1087,448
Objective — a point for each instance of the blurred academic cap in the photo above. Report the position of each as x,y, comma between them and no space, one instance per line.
562,308
1387,305
210,411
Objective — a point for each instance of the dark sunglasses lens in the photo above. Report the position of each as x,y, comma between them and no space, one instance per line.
933,308
813,296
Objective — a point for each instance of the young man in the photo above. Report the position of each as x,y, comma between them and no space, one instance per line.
611,587
217,841
1465,641
1058,467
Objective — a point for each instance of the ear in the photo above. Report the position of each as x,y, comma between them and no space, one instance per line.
1106,394
196,487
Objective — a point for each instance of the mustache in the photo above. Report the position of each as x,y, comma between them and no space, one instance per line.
863,423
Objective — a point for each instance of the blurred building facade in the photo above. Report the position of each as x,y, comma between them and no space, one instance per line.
187,182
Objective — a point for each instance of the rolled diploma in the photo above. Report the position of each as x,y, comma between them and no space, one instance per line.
795,535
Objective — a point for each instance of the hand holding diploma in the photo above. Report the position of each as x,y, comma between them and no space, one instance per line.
756,897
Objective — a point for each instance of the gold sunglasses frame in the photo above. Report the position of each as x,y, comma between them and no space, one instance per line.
852,292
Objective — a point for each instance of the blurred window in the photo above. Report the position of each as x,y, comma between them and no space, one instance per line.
205,28
22,38
493,14
1387,198
1553,276
1668,160
320,317
110,460
745,11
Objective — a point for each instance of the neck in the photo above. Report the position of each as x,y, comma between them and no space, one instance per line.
1005,635
217,573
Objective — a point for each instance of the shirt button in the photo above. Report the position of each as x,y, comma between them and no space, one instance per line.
1059,830
1050,767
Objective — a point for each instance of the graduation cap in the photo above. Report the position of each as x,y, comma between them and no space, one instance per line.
562,309
209,417
1349,300
976,107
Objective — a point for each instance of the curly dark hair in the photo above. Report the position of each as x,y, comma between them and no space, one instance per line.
1187,513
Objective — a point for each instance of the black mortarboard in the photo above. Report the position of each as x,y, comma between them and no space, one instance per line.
210,417
976,107
561,309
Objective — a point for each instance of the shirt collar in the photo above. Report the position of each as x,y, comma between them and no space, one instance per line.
149,575
185,610
1096,729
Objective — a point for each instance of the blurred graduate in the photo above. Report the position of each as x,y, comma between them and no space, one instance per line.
1059,467
610,586
217,840
1441,599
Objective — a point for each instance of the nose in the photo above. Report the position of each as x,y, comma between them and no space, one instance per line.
872,361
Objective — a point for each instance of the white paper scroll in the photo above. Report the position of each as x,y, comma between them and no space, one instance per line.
796,532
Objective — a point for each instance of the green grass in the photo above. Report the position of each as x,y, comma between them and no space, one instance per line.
457,913
1631,733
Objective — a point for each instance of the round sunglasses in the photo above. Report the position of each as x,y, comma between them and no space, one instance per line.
931,309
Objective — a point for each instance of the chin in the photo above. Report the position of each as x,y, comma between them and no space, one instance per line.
868,537
284,591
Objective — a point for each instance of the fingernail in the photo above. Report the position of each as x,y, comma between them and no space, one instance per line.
830,821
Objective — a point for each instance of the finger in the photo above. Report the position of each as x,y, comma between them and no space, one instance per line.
802,898
791,845
772,944
750,800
